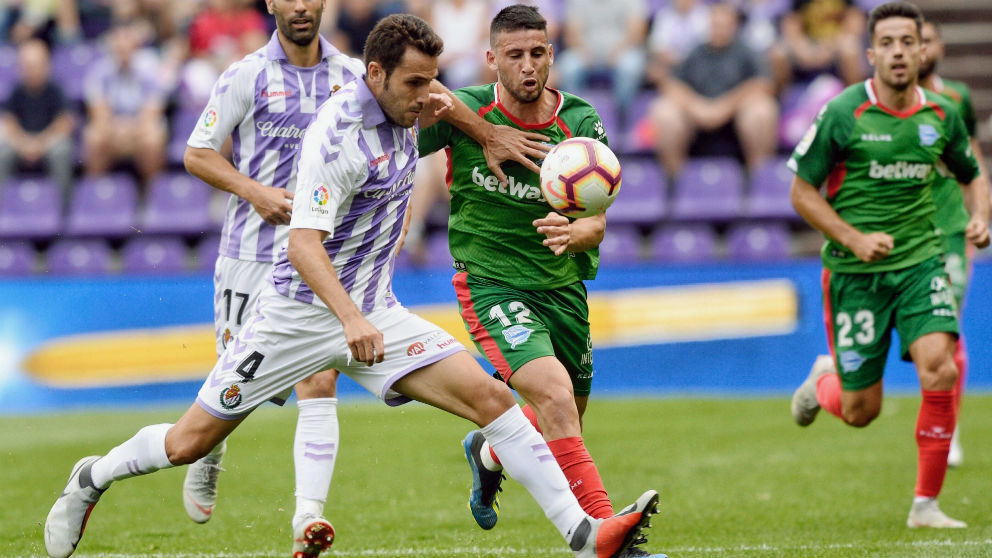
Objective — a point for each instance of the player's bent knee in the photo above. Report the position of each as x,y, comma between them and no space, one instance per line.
320,385
859,418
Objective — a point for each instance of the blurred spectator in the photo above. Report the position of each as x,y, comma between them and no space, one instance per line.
761,18
719,95
220,35
677,28
819,36
36,122
54,21
604,37
125,105
464,26
356,18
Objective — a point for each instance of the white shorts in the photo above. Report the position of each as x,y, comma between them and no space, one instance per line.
287,341
237,284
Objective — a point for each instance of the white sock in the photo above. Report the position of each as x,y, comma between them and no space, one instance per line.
144,453
314,451
487,459
528,460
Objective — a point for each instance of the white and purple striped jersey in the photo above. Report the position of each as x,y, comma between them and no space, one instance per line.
265,104
355,178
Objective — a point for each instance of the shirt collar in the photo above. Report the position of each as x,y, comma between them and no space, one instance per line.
274,50
372,114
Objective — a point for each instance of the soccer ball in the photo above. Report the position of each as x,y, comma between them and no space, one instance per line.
580,177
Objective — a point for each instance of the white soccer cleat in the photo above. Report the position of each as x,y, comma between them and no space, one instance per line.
67,518
200,486
955,457
926,513
612,536
312,535
804,403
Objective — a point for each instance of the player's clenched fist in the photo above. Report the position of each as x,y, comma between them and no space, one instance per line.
364,340
872,247
977,233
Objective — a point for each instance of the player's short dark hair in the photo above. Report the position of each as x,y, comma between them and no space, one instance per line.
393,34
894,9
515,18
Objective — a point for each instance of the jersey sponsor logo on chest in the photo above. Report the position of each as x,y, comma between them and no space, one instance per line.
899,170
513,187
876,137
268,129
401,187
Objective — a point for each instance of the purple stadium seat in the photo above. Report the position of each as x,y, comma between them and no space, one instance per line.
684,243
621,245
8,70
768,193
30,208
636,135
150,254
758,241
180,127
177,203
17,258
205,253
641,200
79,257
70,64
104,206
437,252
708,189
602,101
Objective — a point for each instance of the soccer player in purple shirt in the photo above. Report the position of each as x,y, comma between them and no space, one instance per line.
331,304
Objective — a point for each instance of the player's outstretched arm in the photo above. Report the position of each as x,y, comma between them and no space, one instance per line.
274,205
817,212
499,143
306,253
575,236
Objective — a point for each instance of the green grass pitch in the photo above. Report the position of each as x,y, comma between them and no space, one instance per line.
736,477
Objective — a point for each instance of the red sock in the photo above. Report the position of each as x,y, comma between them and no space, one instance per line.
934,428
532,417
828,394
961,360
583,477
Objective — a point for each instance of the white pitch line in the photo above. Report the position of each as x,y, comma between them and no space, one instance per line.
833,546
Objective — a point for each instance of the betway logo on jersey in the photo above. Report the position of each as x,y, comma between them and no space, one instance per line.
269,130
899,170
512,187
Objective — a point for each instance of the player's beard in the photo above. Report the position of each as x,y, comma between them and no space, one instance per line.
927,68
301,38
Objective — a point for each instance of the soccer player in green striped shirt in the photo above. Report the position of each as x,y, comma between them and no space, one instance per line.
520,267
876,148
952,215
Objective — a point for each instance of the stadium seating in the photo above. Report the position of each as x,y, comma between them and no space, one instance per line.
17,257
708,189
104,206
177,203
437,253
71,63
683,243
154,254
641,200
768,193
30,208
621,245
8,70
205,253
758,241
181,125
75,256
602,101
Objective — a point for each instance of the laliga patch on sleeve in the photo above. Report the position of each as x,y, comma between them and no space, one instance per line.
208,122
807,140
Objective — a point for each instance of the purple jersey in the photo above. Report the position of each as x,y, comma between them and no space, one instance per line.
355,178
265,104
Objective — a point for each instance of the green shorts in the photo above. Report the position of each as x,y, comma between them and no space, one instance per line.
513,327
957,250
861,309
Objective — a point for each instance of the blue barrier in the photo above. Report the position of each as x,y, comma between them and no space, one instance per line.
35,311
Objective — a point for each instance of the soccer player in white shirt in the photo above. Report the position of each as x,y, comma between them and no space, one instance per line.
331,304
264,103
